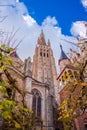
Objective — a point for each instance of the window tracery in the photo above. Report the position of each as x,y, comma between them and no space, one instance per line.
36,103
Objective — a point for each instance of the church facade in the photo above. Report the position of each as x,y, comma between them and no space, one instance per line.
42,84
38,78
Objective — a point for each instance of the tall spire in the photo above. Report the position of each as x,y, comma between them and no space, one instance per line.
41,39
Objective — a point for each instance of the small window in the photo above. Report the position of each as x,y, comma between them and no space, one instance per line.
65,72
47,55
44,54
40,53
70,72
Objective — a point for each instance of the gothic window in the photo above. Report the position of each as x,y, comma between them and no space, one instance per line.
69,71
44,54
40,53
47,55
36,104
75,74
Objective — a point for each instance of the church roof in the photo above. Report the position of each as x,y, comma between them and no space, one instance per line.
63,55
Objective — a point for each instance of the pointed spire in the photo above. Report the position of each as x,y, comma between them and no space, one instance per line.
38,41
49,44
41,39
63,55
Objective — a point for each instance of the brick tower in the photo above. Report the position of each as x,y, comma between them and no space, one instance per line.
44,70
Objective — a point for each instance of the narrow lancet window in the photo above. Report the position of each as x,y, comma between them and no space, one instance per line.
44,54
36,104
40,53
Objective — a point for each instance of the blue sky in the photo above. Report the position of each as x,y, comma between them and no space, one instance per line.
59,19
65,11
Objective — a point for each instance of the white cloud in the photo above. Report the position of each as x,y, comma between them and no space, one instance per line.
7,2
50,21
29,20
20,8
84,3
78,29
18,17
17,0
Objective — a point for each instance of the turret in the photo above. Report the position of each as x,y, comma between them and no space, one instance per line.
49,44
63,60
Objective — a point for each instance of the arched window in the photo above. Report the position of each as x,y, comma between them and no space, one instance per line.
40,53
44,54
36,104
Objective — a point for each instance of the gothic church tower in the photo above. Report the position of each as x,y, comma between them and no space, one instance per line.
44,68
44,71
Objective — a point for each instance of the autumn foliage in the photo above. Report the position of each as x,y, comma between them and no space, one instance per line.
13,114
75,102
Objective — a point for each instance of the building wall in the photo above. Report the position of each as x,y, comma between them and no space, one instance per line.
81,121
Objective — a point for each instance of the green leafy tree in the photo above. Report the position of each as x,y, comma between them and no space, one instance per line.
14,114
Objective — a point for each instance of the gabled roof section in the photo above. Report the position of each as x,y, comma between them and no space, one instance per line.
69,67
41,39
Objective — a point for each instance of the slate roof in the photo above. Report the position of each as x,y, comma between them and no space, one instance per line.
63,55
